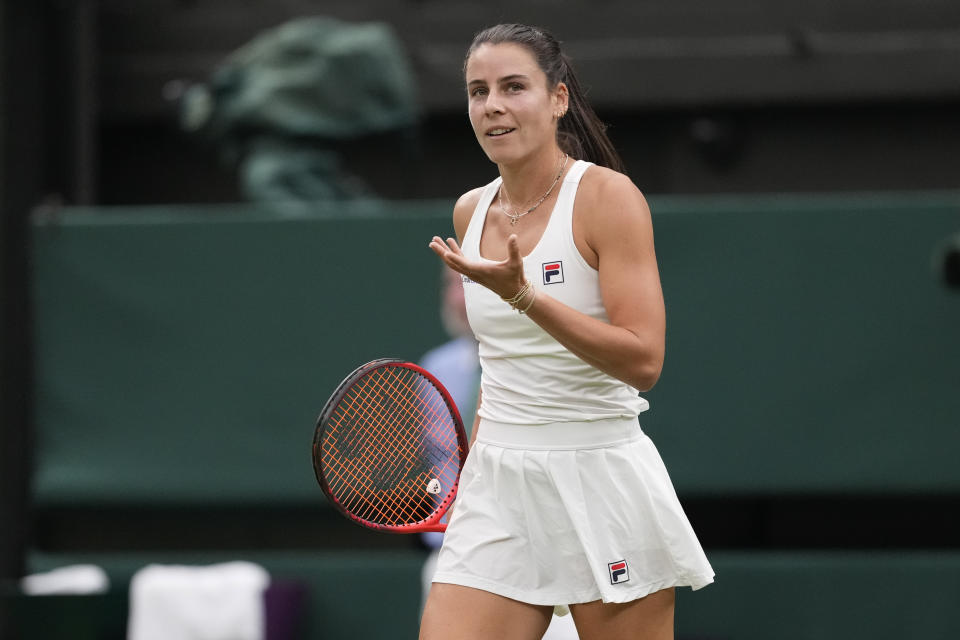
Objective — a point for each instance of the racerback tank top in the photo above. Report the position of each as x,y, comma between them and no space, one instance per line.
527,376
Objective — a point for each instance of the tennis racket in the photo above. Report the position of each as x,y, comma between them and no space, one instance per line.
389,446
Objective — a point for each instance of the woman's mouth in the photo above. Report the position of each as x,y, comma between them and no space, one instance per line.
494,133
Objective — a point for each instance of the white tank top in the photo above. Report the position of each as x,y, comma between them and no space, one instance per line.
527,376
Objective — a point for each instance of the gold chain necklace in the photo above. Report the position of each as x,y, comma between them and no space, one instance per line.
514,216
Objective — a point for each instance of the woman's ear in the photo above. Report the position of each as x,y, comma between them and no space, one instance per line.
561,98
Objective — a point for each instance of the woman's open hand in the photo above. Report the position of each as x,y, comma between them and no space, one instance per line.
505,278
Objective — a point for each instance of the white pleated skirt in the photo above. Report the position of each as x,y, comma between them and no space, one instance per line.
568,513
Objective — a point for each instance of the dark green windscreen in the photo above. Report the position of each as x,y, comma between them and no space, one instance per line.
183,354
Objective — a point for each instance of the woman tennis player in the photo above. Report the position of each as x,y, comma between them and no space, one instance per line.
563,500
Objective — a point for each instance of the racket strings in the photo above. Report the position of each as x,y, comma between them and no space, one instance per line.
386,489
359,487
429,402
382,420
391,435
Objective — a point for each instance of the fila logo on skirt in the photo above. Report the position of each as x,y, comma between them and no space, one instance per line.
553,272
618,572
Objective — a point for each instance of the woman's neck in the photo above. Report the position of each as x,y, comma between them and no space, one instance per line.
526,181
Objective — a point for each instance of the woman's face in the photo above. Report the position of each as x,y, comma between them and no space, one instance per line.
512,110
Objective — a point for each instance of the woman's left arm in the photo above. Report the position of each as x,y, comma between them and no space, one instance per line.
617,227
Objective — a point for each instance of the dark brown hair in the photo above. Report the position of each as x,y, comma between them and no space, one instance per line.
580,132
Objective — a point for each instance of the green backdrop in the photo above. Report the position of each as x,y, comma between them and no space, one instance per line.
183,354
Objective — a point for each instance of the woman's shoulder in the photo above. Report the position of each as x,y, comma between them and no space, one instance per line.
464,208
469,200
604,189
602,180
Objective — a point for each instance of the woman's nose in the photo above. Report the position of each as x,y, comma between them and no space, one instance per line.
494,105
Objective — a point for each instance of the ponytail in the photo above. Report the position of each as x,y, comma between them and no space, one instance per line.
580,133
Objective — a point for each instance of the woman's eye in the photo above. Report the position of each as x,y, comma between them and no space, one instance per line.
516,87
478,91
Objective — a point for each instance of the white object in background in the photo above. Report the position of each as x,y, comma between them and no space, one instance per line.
561,628
215,602
76,579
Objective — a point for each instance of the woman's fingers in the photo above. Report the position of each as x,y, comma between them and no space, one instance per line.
450,252
452,243
441,246
499,276
513,250
437,246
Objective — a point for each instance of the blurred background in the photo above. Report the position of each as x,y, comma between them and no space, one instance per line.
213,210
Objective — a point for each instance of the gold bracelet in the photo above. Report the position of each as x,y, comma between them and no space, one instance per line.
529,304
519,295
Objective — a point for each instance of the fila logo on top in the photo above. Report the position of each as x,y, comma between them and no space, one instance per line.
618,572
552,272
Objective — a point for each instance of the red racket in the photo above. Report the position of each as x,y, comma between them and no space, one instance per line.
389,447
